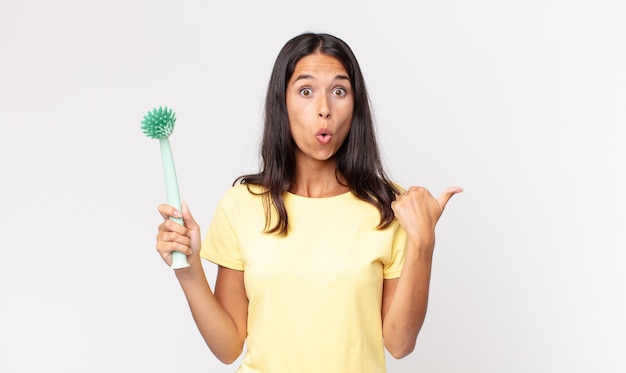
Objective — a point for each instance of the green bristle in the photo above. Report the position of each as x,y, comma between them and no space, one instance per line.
158,123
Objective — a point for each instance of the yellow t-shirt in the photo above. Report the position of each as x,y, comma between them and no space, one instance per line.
315,295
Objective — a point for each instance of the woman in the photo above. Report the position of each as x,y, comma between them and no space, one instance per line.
322,261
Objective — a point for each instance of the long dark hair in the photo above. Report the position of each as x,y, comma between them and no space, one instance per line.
358,159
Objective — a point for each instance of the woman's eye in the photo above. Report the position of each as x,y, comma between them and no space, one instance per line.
306,92
339,92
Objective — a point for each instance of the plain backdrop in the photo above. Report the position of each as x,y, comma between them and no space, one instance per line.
522,103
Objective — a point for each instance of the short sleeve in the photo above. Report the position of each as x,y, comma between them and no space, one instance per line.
220,244
393,267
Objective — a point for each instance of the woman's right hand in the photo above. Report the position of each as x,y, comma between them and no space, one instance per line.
175,237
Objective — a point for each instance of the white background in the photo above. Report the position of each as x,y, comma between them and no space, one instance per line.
522,103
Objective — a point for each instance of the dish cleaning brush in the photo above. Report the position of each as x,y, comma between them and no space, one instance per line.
159,124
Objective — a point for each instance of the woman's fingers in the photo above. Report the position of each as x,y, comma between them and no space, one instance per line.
172,226
168,242
168,211
165,247
447,194
417,206
171,236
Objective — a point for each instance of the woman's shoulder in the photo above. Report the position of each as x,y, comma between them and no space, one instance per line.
243,192
249,188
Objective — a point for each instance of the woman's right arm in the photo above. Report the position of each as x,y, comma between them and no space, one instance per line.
221,317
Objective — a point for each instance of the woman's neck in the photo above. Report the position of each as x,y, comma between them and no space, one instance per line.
317,179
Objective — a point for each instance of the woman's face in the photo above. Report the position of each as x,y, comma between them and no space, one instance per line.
320,104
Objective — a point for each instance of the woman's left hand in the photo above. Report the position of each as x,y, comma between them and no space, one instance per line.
418,211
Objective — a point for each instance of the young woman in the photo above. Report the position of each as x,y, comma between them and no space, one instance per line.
322,261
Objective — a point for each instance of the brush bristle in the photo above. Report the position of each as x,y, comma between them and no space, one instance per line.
158,123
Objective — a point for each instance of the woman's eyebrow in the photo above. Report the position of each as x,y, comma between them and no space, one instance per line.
303,76
308,76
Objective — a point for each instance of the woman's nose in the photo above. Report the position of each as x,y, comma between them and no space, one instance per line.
324,109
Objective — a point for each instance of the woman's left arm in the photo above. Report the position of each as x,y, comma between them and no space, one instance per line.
405,299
